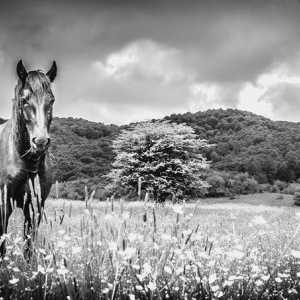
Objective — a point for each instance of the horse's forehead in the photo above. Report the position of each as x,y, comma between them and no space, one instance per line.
38,82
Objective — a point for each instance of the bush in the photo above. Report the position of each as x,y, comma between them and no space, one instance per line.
76,189
292,188
297,198
230,184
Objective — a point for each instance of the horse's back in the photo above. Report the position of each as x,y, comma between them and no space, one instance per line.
2,126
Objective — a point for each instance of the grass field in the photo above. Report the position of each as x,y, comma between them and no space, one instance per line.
247,248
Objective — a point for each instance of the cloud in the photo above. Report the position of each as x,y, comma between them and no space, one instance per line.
146,60
275,94
124,60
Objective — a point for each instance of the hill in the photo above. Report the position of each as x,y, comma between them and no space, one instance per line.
245,142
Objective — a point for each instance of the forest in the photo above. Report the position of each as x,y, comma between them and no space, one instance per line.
242,143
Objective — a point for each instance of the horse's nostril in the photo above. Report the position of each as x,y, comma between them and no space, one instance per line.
41,142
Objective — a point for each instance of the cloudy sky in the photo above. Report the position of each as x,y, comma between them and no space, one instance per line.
122,61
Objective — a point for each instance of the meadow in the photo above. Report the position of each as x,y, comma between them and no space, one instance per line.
247,248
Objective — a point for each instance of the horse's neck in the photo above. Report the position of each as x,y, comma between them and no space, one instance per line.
17,130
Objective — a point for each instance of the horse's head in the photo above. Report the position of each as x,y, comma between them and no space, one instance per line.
35,102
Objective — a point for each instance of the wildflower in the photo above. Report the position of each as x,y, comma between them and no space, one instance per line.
215,288
14,280
147,269
135,237
265,277
42,251
125,215
136,267
62,270
259,220
292,291
219,294
112,246
128,253
67,238
41,269
105,290
236,254
259,282
278,279
76,250
212,278
178,209
228,283
295,253
61,244
152,286
167,269
16,269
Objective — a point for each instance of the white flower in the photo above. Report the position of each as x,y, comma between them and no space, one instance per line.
147,269
259,220
112,246
16,269
219,294
212,278
167,269
259,282
295,253
177,209
236,254
62,271
278,280
14,280
125,215
265,277
228,283
76,250
128,253
215,288
41,269
152,286
61,244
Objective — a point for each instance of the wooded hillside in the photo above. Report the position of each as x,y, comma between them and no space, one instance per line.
244,142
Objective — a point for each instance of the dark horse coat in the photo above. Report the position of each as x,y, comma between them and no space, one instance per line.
24,141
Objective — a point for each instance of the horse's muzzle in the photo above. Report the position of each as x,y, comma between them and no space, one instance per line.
41,143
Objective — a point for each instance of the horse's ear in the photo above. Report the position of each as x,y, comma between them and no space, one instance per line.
52,72
21,71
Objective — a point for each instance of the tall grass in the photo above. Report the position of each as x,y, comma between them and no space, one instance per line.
119,250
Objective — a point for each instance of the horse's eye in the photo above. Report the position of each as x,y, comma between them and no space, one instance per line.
25,101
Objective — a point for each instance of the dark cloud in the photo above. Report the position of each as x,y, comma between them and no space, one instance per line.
221,43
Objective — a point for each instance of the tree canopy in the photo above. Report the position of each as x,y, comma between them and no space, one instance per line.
166,157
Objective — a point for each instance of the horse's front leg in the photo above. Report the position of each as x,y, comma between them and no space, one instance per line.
28,226
5,212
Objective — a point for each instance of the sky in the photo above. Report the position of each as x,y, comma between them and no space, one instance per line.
125,61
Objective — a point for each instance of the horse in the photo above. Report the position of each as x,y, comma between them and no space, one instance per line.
24,143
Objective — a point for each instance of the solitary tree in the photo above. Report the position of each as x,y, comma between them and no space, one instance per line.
165,157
